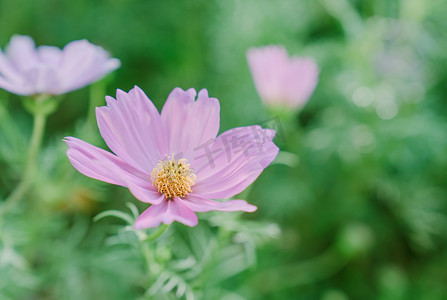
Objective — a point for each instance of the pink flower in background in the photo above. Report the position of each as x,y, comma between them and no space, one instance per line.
174,160
280,79
27,70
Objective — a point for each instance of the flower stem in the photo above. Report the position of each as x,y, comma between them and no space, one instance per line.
157,233
96,98
147,248
40,117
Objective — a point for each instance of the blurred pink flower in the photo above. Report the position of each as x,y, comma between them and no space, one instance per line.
27,70
280,79
173,160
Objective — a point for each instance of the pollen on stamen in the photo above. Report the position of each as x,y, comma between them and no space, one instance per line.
172,177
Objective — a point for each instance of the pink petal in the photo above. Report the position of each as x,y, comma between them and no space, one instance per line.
234,161
96,163
300,80
190,123
102,165
42,79
267,64
50,55
281,79
15,88
77,57
132,129
83,63
26,70
200,204
21,51
144,192
8,71
166,212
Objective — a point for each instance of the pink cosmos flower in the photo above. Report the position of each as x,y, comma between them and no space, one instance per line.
280,79
174,160
27,70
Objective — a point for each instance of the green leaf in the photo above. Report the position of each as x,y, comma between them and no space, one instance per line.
114,213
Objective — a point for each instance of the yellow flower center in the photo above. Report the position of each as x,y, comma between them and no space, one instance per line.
174,178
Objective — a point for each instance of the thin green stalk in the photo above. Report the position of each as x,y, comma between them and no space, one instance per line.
96,98
347,15
7,126
152,266
156,234
40,117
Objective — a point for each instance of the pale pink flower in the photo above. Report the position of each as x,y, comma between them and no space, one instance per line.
27,70
173,160
280,79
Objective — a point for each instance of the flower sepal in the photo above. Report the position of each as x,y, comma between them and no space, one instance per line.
283,112
41,104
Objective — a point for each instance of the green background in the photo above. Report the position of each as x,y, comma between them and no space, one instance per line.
363,215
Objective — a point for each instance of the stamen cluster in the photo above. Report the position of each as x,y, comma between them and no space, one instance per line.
174,178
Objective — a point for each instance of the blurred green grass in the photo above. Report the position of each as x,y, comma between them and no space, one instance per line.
371,143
